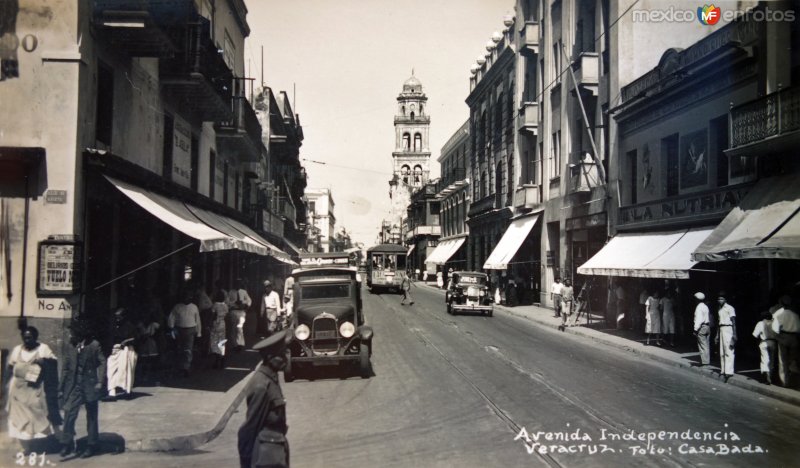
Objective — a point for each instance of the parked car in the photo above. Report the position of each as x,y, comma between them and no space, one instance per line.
328,319
468,291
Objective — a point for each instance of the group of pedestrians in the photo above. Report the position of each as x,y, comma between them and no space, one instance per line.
778,333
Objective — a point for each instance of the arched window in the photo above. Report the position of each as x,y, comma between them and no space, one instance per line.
417,174
405,172
498,116
511,182
421,110
404,110
417,142
484,185
412,115
498,184
406,141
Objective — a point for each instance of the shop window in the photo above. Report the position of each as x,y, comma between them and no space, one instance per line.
669,152
104,116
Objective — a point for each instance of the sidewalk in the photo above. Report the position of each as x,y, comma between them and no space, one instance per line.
684,355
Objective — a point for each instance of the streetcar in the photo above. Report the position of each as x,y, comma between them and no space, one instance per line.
386,267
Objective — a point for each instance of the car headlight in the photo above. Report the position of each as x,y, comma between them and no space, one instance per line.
302,332
347,329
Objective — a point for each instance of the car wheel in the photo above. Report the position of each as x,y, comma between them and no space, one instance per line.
288,372
364,366
491,313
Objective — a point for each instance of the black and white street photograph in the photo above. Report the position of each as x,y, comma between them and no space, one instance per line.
416,233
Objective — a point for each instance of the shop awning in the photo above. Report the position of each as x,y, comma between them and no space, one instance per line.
514,236
445,250
295,249
647,255
766,224
215,232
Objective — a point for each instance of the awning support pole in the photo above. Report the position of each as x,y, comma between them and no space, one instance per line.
143,266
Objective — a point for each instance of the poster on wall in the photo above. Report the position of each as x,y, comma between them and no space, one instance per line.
182,154
59,264
694,160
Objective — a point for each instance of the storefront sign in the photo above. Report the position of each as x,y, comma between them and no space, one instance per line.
56,197
182,154
586,221
59,265
704,205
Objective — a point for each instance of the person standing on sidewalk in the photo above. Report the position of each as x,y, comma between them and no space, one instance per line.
641,312
786,323
405,290
567,298
185,320
701,328
81,385
667,304
238,303
726,336
652,324
268,313
768,345
555,295
262,436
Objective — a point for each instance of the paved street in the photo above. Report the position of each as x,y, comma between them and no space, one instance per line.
458,391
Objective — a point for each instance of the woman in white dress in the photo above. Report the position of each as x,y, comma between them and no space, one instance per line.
28,416
653,318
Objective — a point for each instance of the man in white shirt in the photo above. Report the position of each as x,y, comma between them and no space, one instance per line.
786,323
701,327
185,319
555,294
768,345
270,306
726,336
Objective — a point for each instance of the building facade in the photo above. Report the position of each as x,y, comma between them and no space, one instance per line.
137,170
322,218
422,227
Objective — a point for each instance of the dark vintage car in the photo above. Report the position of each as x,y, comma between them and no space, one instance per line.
468,291
328,319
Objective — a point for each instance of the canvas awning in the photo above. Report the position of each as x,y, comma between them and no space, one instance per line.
214,231
445,250
514,236
647,255
766,224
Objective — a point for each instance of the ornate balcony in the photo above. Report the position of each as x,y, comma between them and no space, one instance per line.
529,43
423,230
529,117
141,27
587,71
197,77
242,134
482,205
767,124
451,181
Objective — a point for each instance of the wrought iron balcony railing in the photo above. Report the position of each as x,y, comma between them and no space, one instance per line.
771,116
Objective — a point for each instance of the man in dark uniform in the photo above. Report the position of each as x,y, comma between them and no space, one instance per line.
262,437
82,374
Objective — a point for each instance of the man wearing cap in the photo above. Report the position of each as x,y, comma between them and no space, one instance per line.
726,335
270,306
262,436
701,327
786,323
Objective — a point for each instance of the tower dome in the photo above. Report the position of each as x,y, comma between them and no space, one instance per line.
412,85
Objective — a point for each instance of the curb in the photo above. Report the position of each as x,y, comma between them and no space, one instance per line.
789,396
191,441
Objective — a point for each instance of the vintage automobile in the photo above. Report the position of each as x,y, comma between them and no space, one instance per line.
328,319
468,291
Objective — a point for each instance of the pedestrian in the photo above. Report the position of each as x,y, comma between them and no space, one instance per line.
81,385
726,335
217,340
555,295
567,299
288,296
269,311
416,275
203,303
262,437
425,276
667,305
184,320
701,328
511,293
405,290
147,348
641,312
652,316
439,279
121,364
238,303
31,412
767,346
619,299
786,323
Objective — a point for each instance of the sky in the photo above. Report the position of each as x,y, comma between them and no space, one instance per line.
345,61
